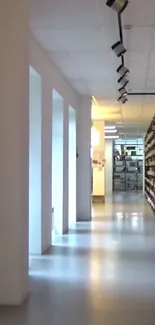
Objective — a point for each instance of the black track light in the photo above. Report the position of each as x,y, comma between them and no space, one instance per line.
122,70
122,91
123,82
118,48
120,80
122,99
117,5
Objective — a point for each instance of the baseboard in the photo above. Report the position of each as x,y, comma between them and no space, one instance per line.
45,250
65,231
83,220
98,198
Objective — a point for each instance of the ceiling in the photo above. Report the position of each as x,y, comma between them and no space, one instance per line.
78,35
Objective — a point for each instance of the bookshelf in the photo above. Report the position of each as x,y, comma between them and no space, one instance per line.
150,164
128,160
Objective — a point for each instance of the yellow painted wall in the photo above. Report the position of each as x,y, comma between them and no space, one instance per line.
99,175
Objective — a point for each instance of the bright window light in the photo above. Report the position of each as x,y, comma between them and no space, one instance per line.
95,137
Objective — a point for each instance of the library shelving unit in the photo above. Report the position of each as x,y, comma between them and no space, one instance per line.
150,164
128,164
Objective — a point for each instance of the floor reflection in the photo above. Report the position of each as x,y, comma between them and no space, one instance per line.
100,273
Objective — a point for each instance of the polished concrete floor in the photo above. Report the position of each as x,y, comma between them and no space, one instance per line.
102,273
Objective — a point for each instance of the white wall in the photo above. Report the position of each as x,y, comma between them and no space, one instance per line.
41,62
14,148
14,171
84,170
108,166
52,79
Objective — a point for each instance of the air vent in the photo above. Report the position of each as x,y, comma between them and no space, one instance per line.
127,27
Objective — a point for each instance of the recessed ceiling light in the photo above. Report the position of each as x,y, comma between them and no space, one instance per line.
111,136
119,122
117,5
110,127
118,48
127,27
111,131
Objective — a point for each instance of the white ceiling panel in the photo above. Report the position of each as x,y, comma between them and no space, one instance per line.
150,100
153,41
150,85
72,41
140,13
137,59
108,102
139,39
105,91
78,36
64,15
80,86
152,60
151,73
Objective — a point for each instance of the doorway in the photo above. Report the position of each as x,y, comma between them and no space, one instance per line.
34,163
72,167
57,165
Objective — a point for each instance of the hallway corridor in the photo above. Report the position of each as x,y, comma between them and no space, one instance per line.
102,273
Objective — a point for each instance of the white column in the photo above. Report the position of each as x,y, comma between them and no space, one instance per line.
65,165
84,160
46,166
108,167
14,148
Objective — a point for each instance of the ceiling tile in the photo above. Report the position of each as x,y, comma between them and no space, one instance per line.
139,39
153,42
152,60
78,35
140,13
72,40
64,15
150,85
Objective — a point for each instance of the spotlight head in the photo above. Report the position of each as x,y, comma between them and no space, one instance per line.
118,49
123,91
117,5
123,81
122,99
122,70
